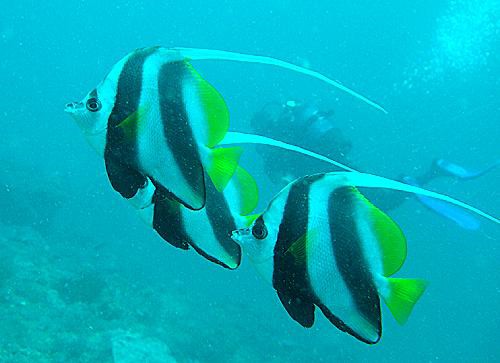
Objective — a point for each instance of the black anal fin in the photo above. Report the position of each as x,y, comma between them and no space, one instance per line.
300,310
124,178
167,221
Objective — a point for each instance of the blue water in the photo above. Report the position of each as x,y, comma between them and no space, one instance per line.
83,280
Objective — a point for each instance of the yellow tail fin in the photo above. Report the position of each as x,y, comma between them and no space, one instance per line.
402,295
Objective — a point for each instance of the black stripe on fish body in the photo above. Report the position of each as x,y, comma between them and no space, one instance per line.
178,133
290,276
222,222
120,152
124,178
351,262
167,219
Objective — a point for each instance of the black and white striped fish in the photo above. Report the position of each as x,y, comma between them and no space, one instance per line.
322,244
207,231
155,120
159,127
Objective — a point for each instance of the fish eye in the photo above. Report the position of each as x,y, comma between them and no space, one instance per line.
259,231
93,104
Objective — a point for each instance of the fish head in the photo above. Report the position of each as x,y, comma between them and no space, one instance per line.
258,240
92,113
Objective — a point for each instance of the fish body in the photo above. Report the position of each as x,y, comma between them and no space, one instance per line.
321,244
159,126
207,231
155,118
157,123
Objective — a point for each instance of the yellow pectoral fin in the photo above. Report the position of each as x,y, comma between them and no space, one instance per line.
132,122
298,249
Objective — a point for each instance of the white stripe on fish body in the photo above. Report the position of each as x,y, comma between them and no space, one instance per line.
146,214
97,142
261,252
370,247
106,90
199,228
155,156
142,201
144,196
197,115
324,274
264,267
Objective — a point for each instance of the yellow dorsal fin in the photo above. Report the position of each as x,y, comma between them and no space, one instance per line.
215,108
133,121
247,189
391,239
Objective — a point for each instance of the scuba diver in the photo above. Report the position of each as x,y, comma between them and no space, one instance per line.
307,126
304,125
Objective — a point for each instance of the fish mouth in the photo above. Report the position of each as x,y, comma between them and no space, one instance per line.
73,107
239,234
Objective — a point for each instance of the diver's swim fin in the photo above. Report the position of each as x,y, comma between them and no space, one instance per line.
451,212
207,54
458,171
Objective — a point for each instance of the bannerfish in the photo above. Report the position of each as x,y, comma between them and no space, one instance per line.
154,157
155,119
321,243
159,127
207,231
157,122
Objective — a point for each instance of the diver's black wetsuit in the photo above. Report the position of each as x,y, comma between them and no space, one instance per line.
302,125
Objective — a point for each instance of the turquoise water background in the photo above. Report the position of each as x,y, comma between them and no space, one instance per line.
83,280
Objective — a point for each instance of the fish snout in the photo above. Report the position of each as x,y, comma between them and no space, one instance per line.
72,107
239,234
